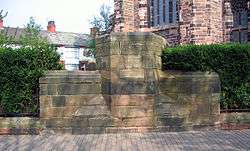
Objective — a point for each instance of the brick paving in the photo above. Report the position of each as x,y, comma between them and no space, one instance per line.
172,141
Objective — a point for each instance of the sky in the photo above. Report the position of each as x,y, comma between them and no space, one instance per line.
69,15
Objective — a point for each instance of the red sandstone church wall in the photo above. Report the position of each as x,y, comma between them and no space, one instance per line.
200,21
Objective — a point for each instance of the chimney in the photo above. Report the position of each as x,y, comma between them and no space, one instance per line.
1,23
51,26
93,32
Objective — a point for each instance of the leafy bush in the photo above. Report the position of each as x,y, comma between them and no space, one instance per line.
22,63
92,48
20,70
230,61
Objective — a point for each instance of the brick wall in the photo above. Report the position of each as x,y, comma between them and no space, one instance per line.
215,21
171,33
228,20
126,16
185,21
131,15
143,15
201,21
118,16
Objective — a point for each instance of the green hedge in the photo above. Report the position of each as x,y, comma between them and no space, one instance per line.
20,70
230,61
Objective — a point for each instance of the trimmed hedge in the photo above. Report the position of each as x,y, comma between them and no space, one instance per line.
20,70
230,61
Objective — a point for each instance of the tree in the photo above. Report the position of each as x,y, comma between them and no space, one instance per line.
3,39
92,48
32,37
32,28
3,16
102,21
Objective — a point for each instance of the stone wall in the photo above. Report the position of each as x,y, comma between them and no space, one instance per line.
72,102
188,100
20,125
235,120
140,93
129,93
129,64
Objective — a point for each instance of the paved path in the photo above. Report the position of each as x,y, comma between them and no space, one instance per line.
184,141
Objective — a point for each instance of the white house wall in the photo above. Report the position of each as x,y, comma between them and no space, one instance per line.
72,57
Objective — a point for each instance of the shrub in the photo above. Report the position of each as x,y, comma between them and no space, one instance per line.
20,70
230,61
